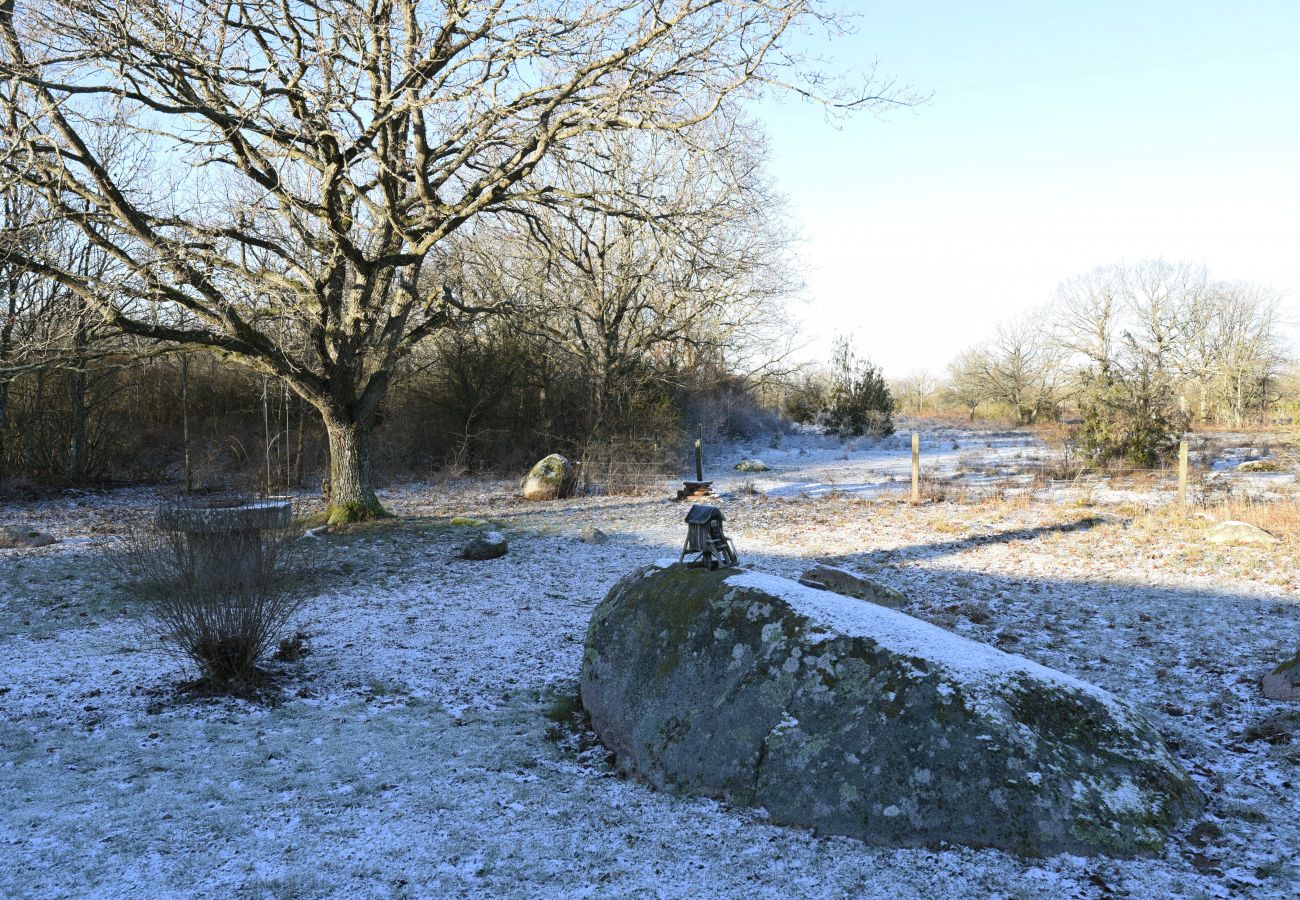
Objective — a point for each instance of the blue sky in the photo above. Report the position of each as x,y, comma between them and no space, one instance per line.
1059,137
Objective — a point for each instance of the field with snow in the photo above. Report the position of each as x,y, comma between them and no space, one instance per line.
424,747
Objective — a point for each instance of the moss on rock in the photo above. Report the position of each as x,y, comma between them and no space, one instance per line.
859,720
552,478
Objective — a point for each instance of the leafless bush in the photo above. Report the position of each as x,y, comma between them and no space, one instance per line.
222,600
942,490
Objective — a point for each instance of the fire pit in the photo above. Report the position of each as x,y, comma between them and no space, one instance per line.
224,537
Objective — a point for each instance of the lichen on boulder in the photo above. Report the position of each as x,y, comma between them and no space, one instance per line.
858,720
552,478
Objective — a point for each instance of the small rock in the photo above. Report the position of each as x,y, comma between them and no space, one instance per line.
488,545
15,538
1262,465
593,535
752,465
1238,533
1283,683
469,522
852,584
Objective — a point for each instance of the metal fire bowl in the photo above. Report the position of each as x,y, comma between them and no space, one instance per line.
226,516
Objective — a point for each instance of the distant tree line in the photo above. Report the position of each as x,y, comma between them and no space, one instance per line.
1136,353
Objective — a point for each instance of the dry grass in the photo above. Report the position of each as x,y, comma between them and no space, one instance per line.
1280,518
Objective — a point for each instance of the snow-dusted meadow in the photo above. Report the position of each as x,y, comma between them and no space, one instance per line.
416,752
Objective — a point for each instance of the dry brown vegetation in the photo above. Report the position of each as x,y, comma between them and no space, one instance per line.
1280,517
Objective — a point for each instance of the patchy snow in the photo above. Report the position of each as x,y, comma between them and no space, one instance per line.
976,666
410,755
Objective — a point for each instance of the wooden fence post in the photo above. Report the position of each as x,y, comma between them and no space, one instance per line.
916,467
1182,475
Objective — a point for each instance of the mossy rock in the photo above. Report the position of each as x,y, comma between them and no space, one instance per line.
485,545
858,720
13,537
1263,465
1283,683
752,465
553,478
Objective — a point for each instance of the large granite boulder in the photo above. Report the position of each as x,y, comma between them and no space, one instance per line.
859,720
553,478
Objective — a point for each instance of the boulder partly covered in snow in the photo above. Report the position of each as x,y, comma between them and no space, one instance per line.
852,584
1262,465
553,478
1283,683
752,465
485,545
590,534
859,720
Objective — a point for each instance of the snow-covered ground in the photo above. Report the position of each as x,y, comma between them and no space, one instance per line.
415,752
980,462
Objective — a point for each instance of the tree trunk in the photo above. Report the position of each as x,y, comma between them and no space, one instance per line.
185,423
4,416
76,468
351,488
37,426
297,450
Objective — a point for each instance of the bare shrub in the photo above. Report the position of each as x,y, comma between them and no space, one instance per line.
224,604
935,490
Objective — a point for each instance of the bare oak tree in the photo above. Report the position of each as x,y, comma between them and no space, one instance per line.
288,171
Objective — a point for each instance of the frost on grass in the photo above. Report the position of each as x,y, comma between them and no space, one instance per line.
368,786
